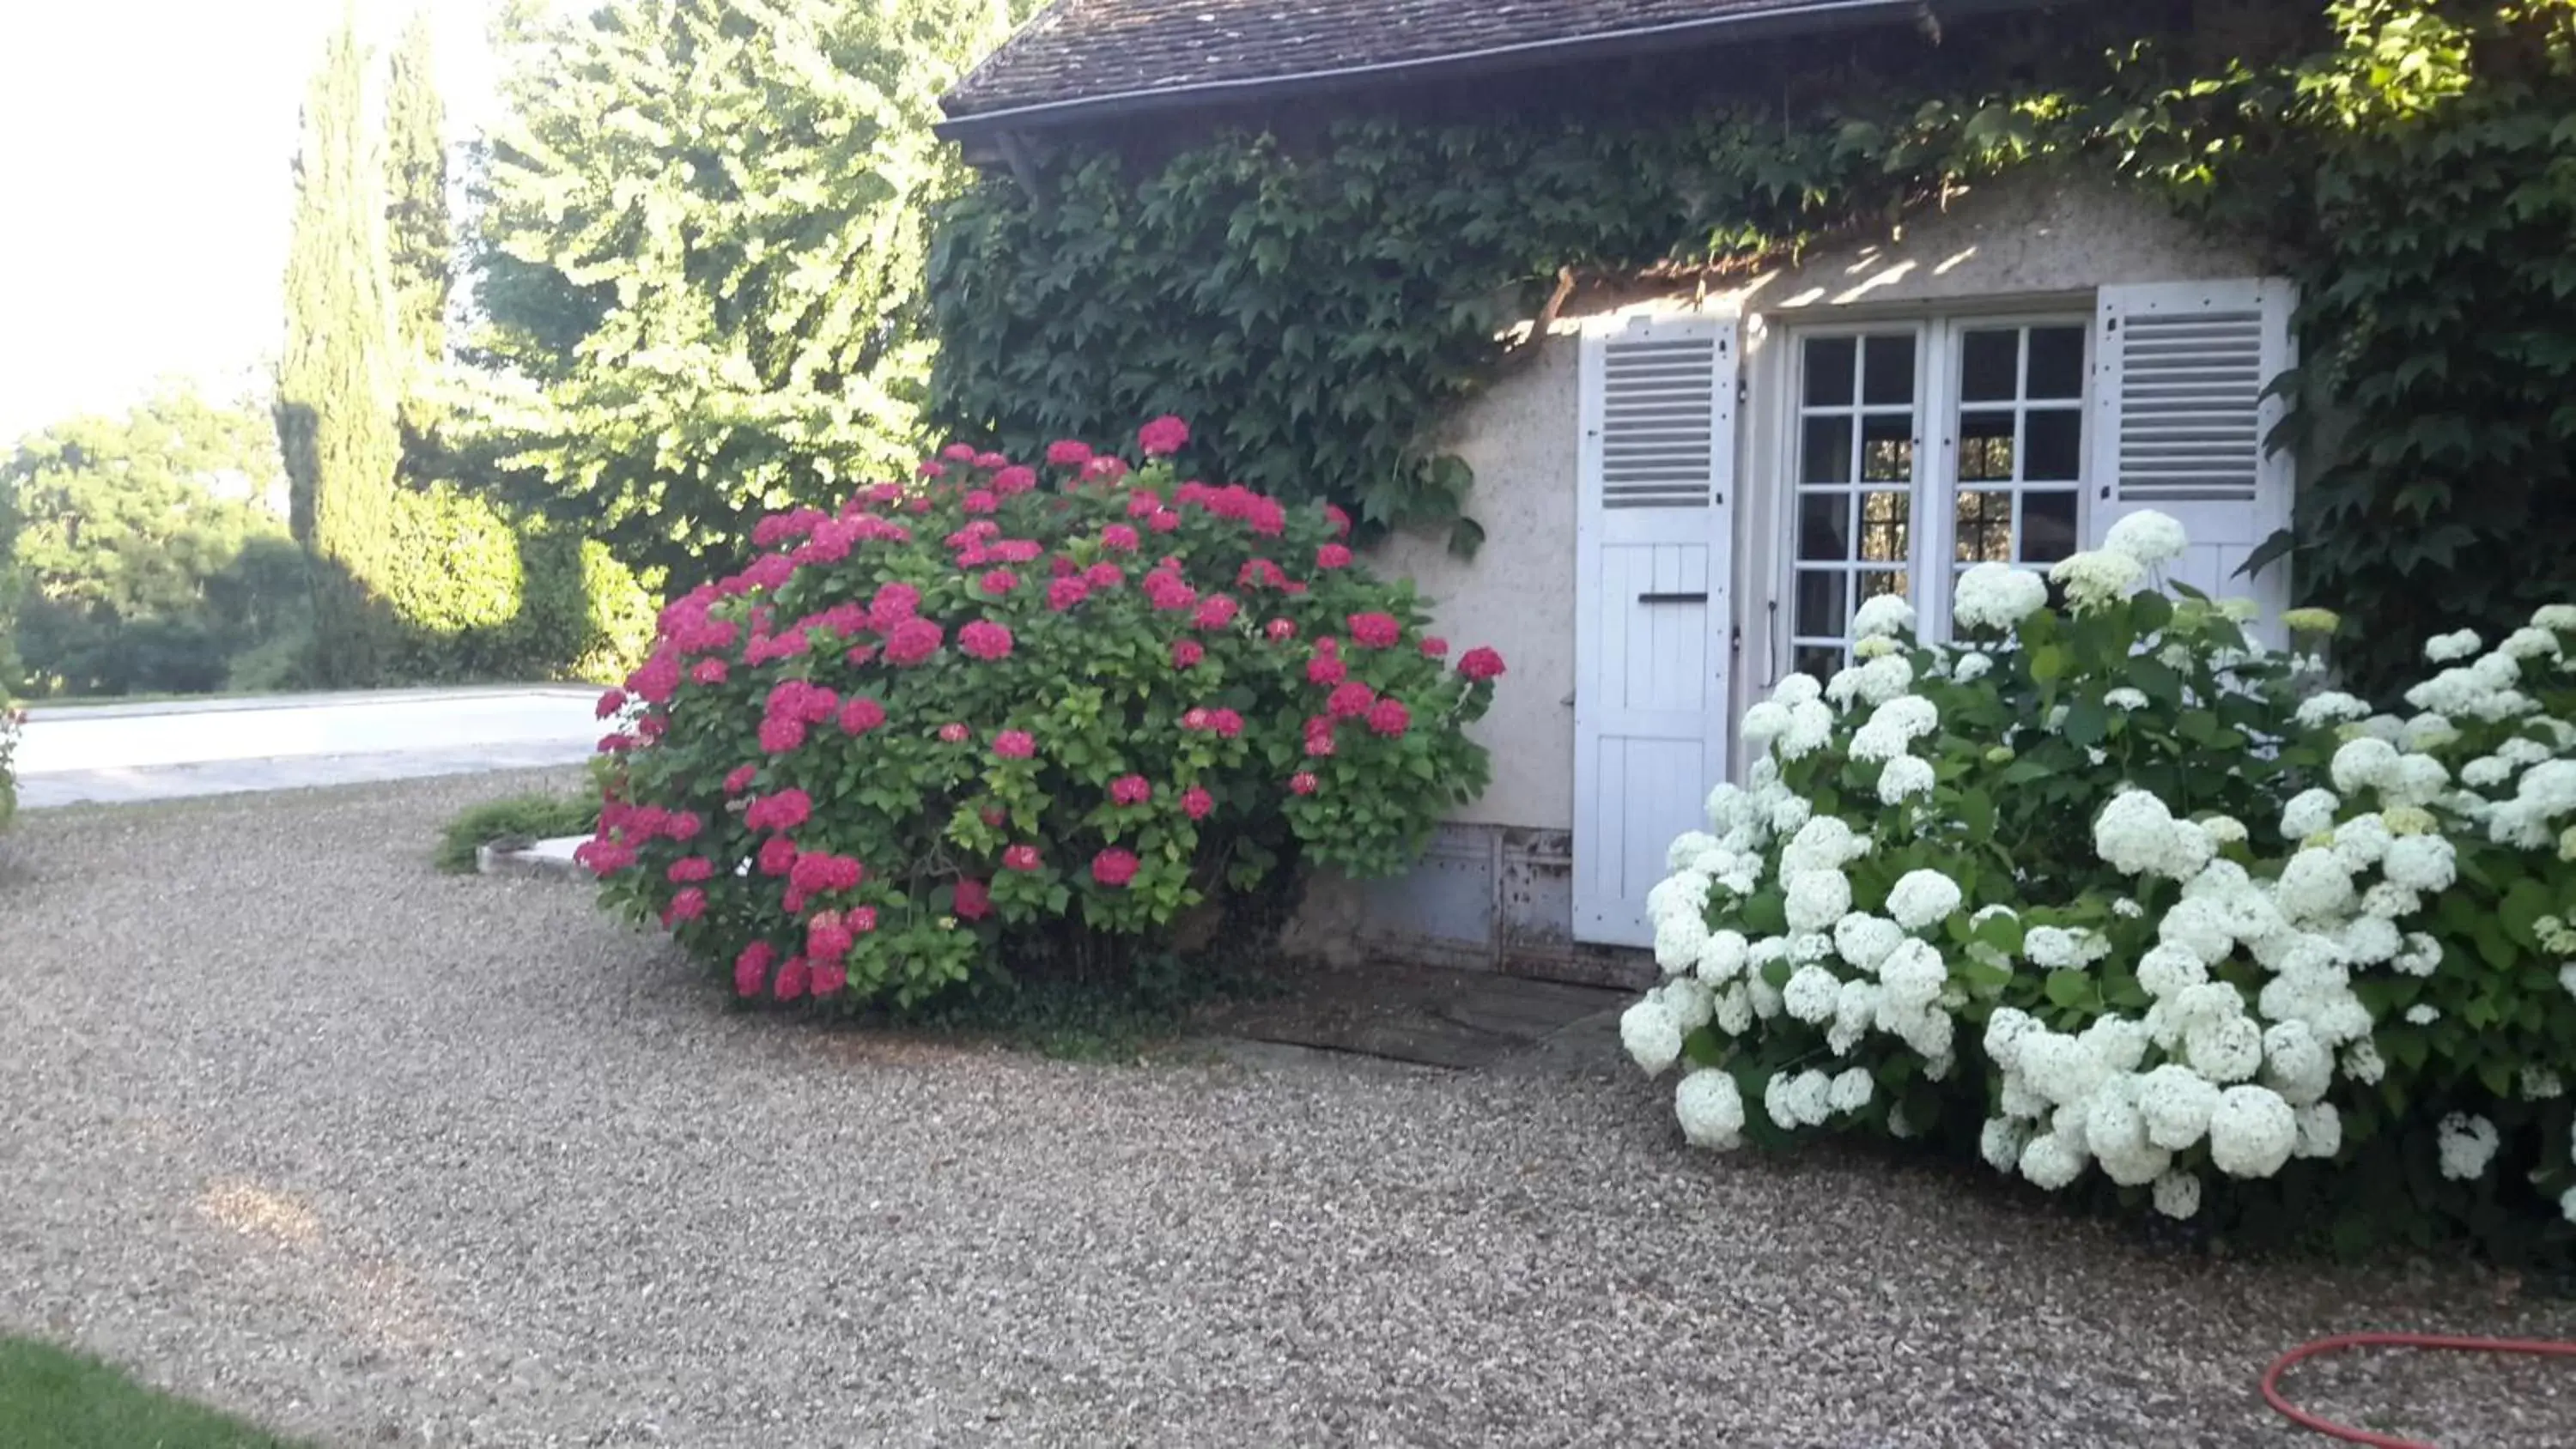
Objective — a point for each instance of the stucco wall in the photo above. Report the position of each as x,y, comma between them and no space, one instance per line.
1517,594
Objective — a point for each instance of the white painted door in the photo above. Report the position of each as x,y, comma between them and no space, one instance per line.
2180,419
1653,608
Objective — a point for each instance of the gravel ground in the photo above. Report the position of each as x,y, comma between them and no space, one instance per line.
383,1157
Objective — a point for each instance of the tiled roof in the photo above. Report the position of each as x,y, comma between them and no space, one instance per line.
1078,53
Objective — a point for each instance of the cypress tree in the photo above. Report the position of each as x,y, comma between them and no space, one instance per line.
419,239
335,383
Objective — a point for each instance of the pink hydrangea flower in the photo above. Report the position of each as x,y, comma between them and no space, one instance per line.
991,461
1065,593
709,671
1341,521
610,703
1187,653
985,640
1375,631
1326,669
1105,469
1020,857
1013,481
777,856
1349,700
1389,717
1280,631
1130,790
1434,646
1104,575
783,811
974,900
828,977
1067,453
1215,612
690,870
1015,744
861,715
959,452
1142,502
751,968
1163,436
740,779
980,500
1302,783
1332,556
1162,520
1196,803
912,641
997,583
778,735
1480,663
952,733
1114,867
793,977
1118,538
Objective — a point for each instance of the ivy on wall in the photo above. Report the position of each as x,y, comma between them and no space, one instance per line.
1318,307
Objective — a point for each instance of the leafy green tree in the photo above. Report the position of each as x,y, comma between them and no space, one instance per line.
338,383
714,215
419,239
146,550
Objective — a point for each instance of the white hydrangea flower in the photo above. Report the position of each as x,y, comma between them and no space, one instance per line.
2390,902
1816,899
2002,1141
1882,614
2060,1068
1825,842
1809,946
2252,1132
2148,536
1865,940
1810,725
1810,994
2522,750
2369,940
2421,955
2422,863
2423,1014
1799,1101
1765,722
1722,959
2364,763
2468,1144
2167,970
2222,830
1690,1003
2052,948
1851,1090
1734,1009
2310,812
2229,1049
2542,1084
1790,813
1688,846
2428,731
1855,1008
1874,647
2096,577
1903,778
1971,667
1679,938
2443,648
2419,780
2555,616
2006,1030
2361,841
1711,1109
2363,1063
2529,643
2295,1064
2138,835
1996,596
1921,898
2125,699
1796,689
2330,707
1910,972
2198,925
2176,1103
2052,1160
2178,1195
1651,1035
2320,1129
2314,886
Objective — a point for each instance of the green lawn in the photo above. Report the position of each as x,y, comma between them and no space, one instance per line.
50,1399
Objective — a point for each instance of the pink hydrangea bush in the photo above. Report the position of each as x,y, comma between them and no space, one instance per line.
1004,714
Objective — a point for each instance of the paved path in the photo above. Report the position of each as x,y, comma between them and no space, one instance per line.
114,754
384,1157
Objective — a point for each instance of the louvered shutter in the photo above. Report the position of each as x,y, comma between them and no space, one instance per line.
1653,605
2180,421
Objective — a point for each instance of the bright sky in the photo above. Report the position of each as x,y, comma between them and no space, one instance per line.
146,155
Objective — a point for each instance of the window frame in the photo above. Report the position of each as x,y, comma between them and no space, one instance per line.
1932,528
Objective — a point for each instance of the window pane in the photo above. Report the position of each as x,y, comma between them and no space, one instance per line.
1887,370
1819,660
1829,371
1985,527
1986,448
2056,362
2055,441
2047,525
1883,520
1820,609
1824,526
1826,451
1887,449
1874,583
1990,365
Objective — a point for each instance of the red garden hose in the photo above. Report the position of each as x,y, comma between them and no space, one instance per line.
2306,1420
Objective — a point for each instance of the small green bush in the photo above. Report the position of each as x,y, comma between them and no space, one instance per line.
980,727
2130,907
518,818
12,720
484,594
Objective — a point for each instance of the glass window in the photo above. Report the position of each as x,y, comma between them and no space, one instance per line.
1858,446
2006,486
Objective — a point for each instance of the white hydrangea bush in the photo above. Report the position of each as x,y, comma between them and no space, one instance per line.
2116,898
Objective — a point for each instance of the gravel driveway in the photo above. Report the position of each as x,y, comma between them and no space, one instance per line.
384,1157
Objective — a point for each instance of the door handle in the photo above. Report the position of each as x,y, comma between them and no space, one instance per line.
1672,598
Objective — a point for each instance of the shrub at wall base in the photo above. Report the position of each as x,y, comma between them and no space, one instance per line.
1000,720
12,721
2127,906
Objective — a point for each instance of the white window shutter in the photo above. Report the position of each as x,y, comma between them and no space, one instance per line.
2180,418
1653,604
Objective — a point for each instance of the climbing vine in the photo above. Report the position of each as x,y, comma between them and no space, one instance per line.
1317,305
